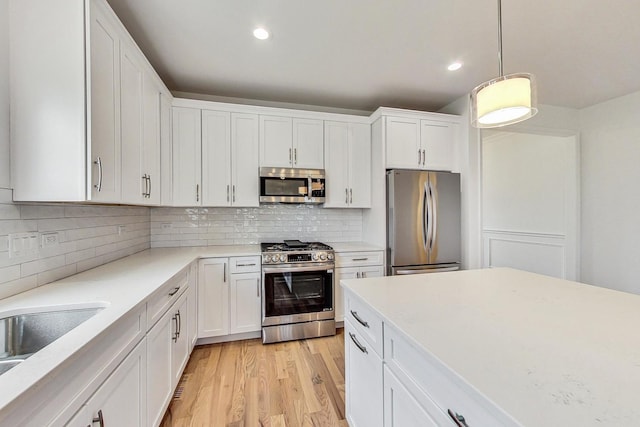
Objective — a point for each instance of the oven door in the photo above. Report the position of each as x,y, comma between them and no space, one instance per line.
299,294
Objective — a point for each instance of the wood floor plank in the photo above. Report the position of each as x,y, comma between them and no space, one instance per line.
248,384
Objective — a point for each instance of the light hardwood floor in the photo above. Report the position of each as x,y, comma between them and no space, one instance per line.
246,383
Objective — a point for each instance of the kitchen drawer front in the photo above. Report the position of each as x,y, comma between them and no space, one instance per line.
165,296
413,366
365,321
351,259
245,264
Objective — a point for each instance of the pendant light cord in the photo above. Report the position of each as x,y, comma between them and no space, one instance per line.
500,38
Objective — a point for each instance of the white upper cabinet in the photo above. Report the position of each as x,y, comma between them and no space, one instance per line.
287,142
77,105
187,157
414,143
348,172
216,158
245,143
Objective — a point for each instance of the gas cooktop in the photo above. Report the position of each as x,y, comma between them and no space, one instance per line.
294,245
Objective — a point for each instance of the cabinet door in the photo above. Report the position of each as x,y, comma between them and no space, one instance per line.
192,298
213,297
186,157
403,143
359,165
371,271
166,150
276,142
104,52
216,158
245,143
402,409
342,273
437,141
133,185
336,150
308,144
159,380
180,339
363,381
245,303
151,139
121,399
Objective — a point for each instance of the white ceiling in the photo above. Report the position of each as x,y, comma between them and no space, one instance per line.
361,54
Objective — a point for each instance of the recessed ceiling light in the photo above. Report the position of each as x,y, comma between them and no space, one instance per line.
261,33
454,66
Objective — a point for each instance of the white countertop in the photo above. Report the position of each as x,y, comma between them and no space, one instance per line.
354,247
549,352
121,286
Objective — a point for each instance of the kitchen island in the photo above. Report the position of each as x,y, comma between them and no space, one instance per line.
497,346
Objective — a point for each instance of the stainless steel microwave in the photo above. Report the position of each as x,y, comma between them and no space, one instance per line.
281,185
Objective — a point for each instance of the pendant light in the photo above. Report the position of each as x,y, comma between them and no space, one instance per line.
506,99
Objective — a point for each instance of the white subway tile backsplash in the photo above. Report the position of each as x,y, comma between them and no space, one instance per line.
226,226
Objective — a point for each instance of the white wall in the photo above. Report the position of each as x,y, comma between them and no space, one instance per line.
611,193
5,178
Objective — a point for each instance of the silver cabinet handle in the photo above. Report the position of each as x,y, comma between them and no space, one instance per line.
346,195
179,323
174,291
149,190
359,259
246,265
357,277
290,155
98,162
224,272
227,192
362,322
175,334
145,192
295,156
99,419
234,193
363,274
258,288
350,195
419,157
357,343
424,156
457,418
197,192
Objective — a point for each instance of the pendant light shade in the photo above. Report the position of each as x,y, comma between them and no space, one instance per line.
503,101
506,99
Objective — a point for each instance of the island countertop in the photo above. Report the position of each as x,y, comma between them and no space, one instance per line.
549,352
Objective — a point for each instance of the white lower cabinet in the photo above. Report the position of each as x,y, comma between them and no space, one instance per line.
192,302
229,299
179,339
121,399
404,409
363,380
354,265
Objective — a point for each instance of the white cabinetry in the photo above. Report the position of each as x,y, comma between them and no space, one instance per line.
78,107
348,173
229,159
355,265
420,143
291,142
187,157
192,301
229,296
121,399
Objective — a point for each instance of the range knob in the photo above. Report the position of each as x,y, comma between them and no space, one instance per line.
267,258
330,257
323,256
315,257
283,257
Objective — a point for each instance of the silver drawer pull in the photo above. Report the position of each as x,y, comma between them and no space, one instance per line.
99,419
362,322
246,265
457,418
174,291
359,259
357,343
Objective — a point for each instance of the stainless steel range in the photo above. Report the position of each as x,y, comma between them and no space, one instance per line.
298,291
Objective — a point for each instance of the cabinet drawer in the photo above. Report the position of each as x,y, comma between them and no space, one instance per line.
247,264
350,259
166,295
365,321
415,367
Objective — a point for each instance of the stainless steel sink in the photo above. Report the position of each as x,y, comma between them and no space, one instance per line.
23,335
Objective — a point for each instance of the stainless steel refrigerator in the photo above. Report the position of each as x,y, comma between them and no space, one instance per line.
423,222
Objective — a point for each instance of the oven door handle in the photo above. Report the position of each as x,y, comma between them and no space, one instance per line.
328,268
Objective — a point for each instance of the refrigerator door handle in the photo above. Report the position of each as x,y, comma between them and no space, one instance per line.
425,217
433,197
